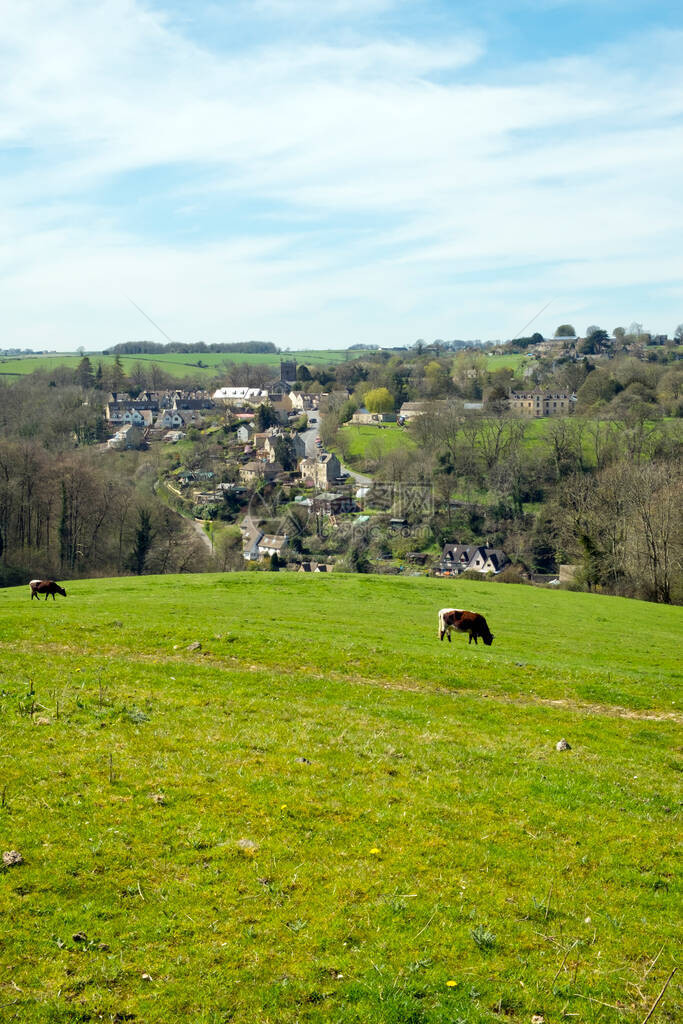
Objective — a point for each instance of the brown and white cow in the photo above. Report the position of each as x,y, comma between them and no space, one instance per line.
465,622
46,587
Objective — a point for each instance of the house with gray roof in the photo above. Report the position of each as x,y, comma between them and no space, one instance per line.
458,558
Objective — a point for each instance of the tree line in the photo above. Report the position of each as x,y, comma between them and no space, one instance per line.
132,348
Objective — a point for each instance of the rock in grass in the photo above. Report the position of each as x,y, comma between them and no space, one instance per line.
79,937
196,646
562,745
12,858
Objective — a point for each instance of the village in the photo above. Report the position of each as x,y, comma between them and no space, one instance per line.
373,461
275,458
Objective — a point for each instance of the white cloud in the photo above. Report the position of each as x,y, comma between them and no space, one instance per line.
321,9
411,187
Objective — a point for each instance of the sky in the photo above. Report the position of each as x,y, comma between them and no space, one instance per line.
322,173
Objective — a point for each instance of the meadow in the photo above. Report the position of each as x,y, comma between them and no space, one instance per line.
507,361
370,441
179,365
273,798
365,439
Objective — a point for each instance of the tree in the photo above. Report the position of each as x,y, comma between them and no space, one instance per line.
594,342
265,417
565,441
565,331
678,333
596,339
379,400
357,559
284,453
654,494
598,387
593,512
496,398
437,379
118,376
84,373
138,377
303,373
347,410
143,541
544,543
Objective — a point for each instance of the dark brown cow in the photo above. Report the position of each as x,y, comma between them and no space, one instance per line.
46,587
465,622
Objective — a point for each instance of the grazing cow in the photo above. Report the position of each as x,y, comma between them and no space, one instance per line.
465,622
46,587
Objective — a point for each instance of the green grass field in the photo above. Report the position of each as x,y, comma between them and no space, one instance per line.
509,361
323,814
363,438
177,364
387,439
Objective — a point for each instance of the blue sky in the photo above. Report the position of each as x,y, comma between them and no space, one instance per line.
322,174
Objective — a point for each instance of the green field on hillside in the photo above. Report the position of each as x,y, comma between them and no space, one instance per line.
177,364
366,440
270,798
507,361
390,437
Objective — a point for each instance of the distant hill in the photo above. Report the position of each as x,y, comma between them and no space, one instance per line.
129,348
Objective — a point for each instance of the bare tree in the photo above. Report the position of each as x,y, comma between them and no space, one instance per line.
655,497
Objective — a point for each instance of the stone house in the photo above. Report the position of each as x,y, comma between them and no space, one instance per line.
539,403
334,503
321,470
295,442
303,402
253,471
365,417
409,410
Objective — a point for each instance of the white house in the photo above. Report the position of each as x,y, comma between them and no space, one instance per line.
170,419
130,435
272,545
240,396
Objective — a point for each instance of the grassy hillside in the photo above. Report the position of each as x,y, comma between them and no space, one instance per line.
177,364
366,439
324,814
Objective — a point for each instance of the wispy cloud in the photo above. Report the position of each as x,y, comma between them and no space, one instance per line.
392,186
